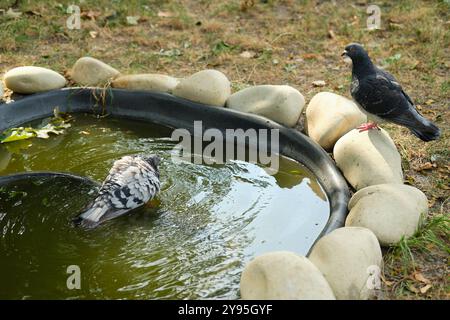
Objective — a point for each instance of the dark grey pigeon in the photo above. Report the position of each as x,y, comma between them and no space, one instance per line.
381,97
131,183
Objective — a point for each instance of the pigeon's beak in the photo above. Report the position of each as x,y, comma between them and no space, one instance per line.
346,57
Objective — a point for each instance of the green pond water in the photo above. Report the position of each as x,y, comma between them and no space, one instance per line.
191,243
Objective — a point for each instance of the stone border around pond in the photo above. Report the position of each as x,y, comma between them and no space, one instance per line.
340,265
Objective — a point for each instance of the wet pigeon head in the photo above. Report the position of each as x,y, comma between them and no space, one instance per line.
356,52
153,160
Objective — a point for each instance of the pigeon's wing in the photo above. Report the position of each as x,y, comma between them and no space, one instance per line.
130,184
409,118
128,189
385,98
380,96
394,83
398,107
387,75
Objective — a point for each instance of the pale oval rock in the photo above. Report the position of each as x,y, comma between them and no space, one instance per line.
280,103
283,275
30,79
349,258
152,82
91,72
391,211
368,158
209,87
329,116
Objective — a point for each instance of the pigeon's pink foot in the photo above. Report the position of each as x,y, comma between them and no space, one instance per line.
368,126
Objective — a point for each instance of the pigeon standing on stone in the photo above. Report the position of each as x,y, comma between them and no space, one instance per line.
381,97
132,182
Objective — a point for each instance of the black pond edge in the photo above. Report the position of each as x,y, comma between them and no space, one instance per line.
174,112
11,178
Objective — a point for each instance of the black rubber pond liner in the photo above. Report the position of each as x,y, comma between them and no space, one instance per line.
47,175
174,112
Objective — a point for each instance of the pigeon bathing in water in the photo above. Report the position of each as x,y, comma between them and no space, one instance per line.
132,182
381,97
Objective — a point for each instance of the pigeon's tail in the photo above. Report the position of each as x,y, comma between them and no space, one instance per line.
427,131
85,223
91,217
421,127
96,213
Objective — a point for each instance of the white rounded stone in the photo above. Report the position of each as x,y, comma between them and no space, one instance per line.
279,103
391,211
209,87
283,275
368,158
31,79
347,257
152,82
91,72
329,116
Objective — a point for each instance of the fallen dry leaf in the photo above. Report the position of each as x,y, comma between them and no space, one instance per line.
93,34
394,20
90,14
33,13
13,14
247,54
415,64
310,56
426,166
432,112
386,282
246,4
396,25
420,277
132,20
331,34
412,288
319,83
410,179
424,290
165,14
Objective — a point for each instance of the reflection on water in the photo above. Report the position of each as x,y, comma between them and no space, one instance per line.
192,242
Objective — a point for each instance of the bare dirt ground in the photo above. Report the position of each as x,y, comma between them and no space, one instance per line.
274,42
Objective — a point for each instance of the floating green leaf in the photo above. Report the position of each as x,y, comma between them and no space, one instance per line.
16,134
56,126
43,133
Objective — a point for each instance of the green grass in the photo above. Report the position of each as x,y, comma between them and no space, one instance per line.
434,233
221,47
430,241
